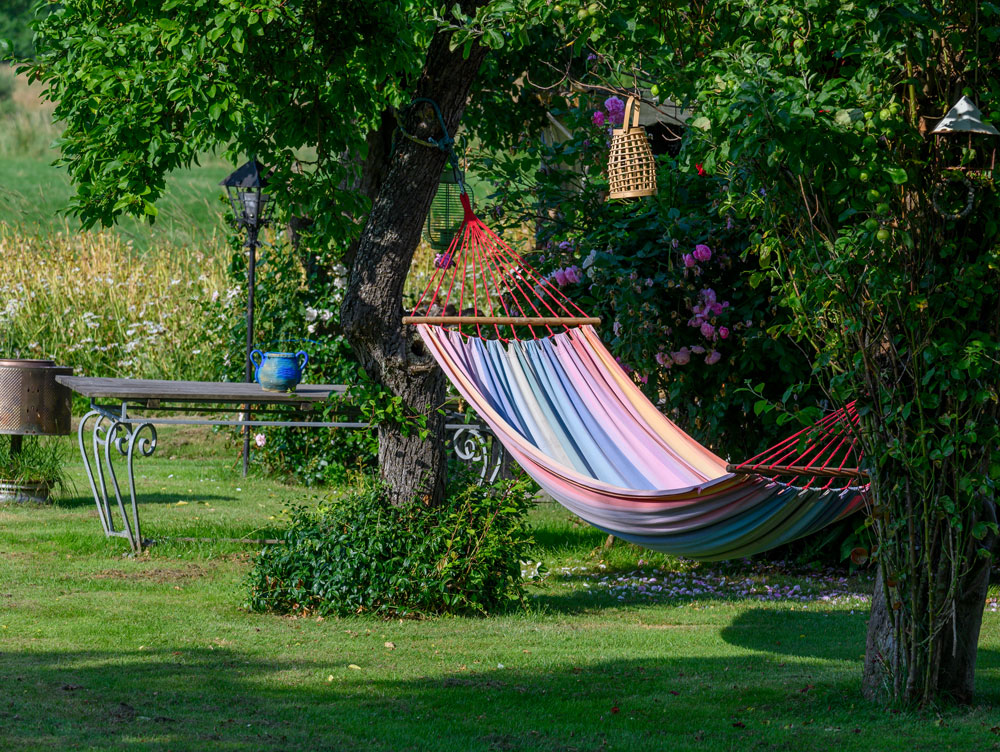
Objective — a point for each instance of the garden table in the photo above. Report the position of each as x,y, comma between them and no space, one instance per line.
124,418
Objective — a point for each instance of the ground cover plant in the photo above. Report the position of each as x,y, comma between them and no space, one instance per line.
616,649
358,553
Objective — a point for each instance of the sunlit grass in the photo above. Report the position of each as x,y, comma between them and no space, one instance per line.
103,651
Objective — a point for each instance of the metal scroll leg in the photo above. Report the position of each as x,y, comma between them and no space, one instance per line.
472,446
107,434
100,492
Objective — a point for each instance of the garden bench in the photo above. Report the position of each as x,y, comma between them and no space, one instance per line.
124,421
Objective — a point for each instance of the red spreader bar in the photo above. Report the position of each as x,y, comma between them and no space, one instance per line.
827,449
483,282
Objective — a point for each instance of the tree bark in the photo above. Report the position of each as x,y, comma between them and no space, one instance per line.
955,646
412,468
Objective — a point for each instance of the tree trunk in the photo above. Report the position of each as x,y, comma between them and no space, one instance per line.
412,468
955,646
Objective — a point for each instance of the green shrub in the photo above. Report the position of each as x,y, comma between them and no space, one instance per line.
359,554
40,460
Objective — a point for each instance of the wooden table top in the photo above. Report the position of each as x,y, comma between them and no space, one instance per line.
146,390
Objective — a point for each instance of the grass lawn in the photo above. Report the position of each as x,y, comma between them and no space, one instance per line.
101,651
34,195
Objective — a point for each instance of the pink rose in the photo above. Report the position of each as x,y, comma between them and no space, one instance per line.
713,357
664,359
723,332
707,330
702,252
689,260
573,274
598,118
560,276
682,356
616,110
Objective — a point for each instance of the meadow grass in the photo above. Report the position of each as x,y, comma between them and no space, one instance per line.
103,651
88,302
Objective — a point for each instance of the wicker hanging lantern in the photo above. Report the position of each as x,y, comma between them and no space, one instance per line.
631,167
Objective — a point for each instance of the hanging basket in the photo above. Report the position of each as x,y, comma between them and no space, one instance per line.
631,168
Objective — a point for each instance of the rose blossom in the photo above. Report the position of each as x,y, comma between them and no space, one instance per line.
689,260
713,357
682,356
707,330
723,332
702,252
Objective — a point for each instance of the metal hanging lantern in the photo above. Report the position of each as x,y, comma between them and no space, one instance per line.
631,167
446,213
962,152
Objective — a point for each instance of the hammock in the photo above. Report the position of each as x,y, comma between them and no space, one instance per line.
532,366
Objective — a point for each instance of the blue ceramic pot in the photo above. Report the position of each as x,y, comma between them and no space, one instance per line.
278,371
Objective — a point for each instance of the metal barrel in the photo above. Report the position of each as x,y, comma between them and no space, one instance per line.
31,402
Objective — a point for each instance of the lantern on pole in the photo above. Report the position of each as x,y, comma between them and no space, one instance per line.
446,213
964,150
252,211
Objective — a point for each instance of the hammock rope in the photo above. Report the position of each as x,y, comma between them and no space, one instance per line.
528,360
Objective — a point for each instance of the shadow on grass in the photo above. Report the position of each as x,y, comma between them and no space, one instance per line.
829,635
79,499
222,699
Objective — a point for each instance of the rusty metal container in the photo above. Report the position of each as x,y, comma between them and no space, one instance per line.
31,402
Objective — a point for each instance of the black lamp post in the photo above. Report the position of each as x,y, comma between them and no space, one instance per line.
252,210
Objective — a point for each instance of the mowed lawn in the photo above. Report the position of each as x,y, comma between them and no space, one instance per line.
614,650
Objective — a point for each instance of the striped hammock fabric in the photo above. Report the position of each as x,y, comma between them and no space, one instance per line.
578,425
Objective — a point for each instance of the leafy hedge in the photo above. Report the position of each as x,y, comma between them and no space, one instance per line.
359,554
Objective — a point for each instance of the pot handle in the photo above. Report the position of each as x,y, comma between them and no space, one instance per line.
256,364
304,356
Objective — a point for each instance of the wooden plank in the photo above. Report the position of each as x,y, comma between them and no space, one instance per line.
818,472
504,320
160,391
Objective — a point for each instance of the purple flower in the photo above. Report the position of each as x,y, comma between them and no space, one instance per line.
707,330
716,308
649,281
697,350
598,118
591,57
723,332
573,275
664,359
689,260
443,261
681,357
560,277
729,223
713,357
643,379
702,252
675,243
616,110
617,327
708,295
565,246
